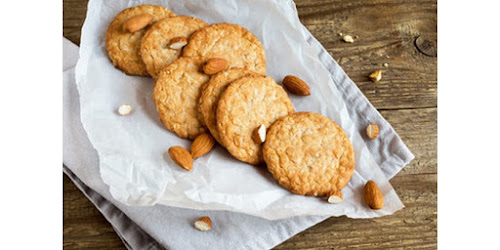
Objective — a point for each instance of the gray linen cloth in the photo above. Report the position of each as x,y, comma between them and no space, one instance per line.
159,226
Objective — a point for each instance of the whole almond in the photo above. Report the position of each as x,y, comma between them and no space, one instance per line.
373,196
137,22
335,197
202,144
203,223
259,134
296,86
178,42
214,66
181,157
372,131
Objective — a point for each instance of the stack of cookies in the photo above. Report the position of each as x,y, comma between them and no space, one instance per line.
210,85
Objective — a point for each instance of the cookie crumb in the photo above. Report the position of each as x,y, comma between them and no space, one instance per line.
385,65
375,76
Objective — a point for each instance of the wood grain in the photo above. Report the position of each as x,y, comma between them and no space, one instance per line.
402,33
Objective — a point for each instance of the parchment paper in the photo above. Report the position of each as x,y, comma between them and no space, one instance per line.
132,149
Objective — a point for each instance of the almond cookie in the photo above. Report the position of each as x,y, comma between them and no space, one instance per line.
155,46
176,93
123,46
231,42
309,154
246,104
210,95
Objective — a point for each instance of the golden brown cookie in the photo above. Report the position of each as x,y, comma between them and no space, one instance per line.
123,46
210,95
155,46
309,154
246,104
231,42
176,93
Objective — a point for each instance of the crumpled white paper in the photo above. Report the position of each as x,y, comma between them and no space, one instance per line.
133,149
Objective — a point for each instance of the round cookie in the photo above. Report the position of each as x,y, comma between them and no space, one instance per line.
246,104
309,154
231,42
210,95
176,93
122,46
155,50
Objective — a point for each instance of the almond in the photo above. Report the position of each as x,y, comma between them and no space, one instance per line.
373,197
202,144
259,134
375,76
178,42
372,131
124,109
296,86
335,197
348,39
181,157
137,22
214,66
203,223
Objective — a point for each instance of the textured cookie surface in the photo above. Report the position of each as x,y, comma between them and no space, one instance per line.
176,93
210,95
123,47
231,42
309,154
155,50
246,104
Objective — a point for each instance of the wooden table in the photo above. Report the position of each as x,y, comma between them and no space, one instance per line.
402,33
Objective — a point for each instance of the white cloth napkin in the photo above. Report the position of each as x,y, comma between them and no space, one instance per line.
168,227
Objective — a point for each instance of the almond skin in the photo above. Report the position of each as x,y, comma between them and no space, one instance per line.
177,42
137,22
181,157
373,196
296,86
214,66
372,131
202,144
203,223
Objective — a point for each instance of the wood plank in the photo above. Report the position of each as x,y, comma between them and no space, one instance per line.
84,226
387,31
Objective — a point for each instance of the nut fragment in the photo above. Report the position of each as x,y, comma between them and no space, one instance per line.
203,223
181,157
385,65
373,196
259,134
177,42
202,144
335,197
137,22
375,76
214,66
296,86
348,39
124,109
372,131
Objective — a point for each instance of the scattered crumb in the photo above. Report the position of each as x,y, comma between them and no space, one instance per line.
385,65
356,37
375,76
340,34
348,39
